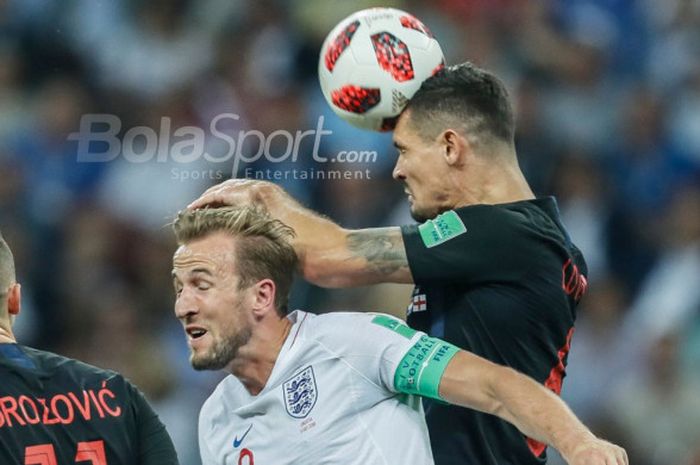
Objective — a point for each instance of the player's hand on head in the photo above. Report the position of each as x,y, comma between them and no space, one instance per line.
598,452
236,192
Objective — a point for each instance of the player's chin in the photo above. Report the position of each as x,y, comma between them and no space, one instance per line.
420,214
199,354
203,361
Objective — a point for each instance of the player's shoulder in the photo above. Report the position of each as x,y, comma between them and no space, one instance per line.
48,360
342,331
473,223
335,323
61,366
521,211
538,217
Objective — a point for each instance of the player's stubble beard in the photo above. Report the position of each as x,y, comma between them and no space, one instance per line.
225,348
421,215
222,352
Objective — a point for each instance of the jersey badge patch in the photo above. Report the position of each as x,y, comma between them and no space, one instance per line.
395,325
300,393
441,229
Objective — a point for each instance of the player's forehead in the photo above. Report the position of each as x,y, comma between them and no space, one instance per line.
213,255
403,131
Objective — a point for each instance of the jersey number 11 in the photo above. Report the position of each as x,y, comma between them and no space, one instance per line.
45,454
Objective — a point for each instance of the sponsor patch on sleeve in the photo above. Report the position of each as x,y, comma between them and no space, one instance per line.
441,229
395,325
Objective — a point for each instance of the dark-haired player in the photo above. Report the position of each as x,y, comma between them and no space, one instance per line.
333,389
494,268
58,411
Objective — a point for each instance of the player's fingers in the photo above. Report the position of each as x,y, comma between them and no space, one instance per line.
618,456
212,199
204,198
231,192
614,458
623,455
222,197
216,188
202,201
212,196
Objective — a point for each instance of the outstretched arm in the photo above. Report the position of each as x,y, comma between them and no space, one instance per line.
330,255
474,382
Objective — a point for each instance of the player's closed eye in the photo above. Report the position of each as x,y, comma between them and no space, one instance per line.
178,288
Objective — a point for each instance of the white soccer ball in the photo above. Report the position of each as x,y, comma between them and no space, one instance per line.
373,62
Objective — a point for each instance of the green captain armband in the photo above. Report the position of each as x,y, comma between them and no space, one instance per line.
421,369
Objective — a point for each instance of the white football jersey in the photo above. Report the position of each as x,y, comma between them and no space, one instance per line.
330,399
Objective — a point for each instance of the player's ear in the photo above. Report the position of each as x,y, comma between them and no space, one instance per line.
455,147
264,297
14,299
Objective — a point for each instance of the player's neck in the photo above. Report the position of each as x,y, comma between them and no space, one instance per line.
496,183
255,360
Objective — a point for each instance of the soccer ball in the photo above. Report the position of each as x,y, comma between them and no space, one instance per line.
373,62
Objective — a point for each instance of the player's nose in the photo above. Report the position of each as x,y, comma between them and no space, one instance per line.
185,305
398,173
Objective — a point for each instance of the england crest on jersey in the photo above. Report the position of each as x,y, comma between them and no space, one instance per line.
300,393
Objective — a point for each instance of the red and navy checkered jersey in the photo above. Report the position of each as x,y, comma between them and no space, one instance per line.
58,411
501,281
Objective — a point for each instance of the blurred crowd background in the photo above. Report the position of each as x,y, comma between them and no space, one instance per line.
607,94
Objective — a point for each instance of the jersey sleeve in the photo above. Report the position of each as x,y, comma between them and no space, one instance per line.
155,445
389,353
469,245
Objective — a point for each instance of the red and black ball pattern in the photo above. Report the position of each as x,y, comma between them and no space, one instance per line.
412,22
339,44
438,68
356,99
393,56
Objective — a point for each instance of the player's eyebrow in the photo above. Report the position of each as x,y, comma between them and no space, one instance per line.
202,271
399,145
205,271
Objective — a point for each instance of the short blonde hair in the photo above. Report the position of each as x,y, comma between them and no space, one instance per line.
263,250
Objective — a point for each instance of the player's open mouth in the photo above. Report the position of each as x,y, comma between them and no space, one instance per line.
196,333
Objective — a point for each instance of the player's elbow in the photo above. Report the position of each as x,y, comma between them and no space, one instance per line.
327,280
326,272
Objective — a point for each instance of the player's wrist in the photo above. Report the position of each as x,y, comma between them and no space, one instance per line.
573,443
